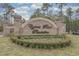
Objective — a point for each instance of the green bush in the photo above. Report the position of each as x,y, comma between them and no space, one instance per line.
42,43
19,37
40,36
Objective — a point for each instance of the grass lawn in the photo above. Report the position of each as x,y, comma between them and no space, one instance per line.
11,49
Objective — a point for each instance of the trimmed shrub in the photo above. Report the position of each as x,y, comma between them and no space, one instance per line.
28,44
46,44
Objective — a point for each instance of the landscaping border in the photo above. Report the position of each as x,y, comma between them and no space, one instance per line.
27,43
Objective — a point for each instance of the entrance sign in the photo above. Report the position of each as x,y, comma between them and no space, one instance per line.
39,26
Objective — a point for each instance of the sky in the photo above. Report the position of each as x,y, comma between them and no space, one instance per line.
23,9
27,9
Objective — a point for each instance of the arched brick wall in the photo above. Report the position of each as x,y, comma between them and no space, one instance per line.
39,26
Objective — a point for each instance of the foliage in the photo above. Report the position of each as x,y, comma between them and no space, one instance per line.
68,21
69,13
1,28
77,11
60,6
46,42
42,12
75,25
7,6
72,25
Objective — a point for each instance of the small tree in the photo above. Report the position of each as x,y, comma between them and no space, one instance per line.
69,13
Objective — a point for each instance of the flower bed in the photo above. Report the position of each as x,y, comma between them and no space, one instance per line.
41,41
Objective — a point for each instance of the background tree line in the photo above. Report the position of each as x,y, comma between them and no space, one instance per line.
45,11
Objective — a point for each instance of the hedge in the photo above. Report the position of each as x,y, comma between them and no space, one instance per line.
45,45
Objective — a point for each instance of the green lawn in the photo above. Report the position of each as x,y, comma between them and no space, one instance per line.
8,48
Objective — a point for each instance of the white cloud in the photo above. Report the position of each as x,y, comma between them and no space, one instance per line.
23,11
36,5
26,11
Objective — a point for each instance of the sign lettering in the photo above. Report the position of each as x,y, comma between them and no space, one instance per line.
36,29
